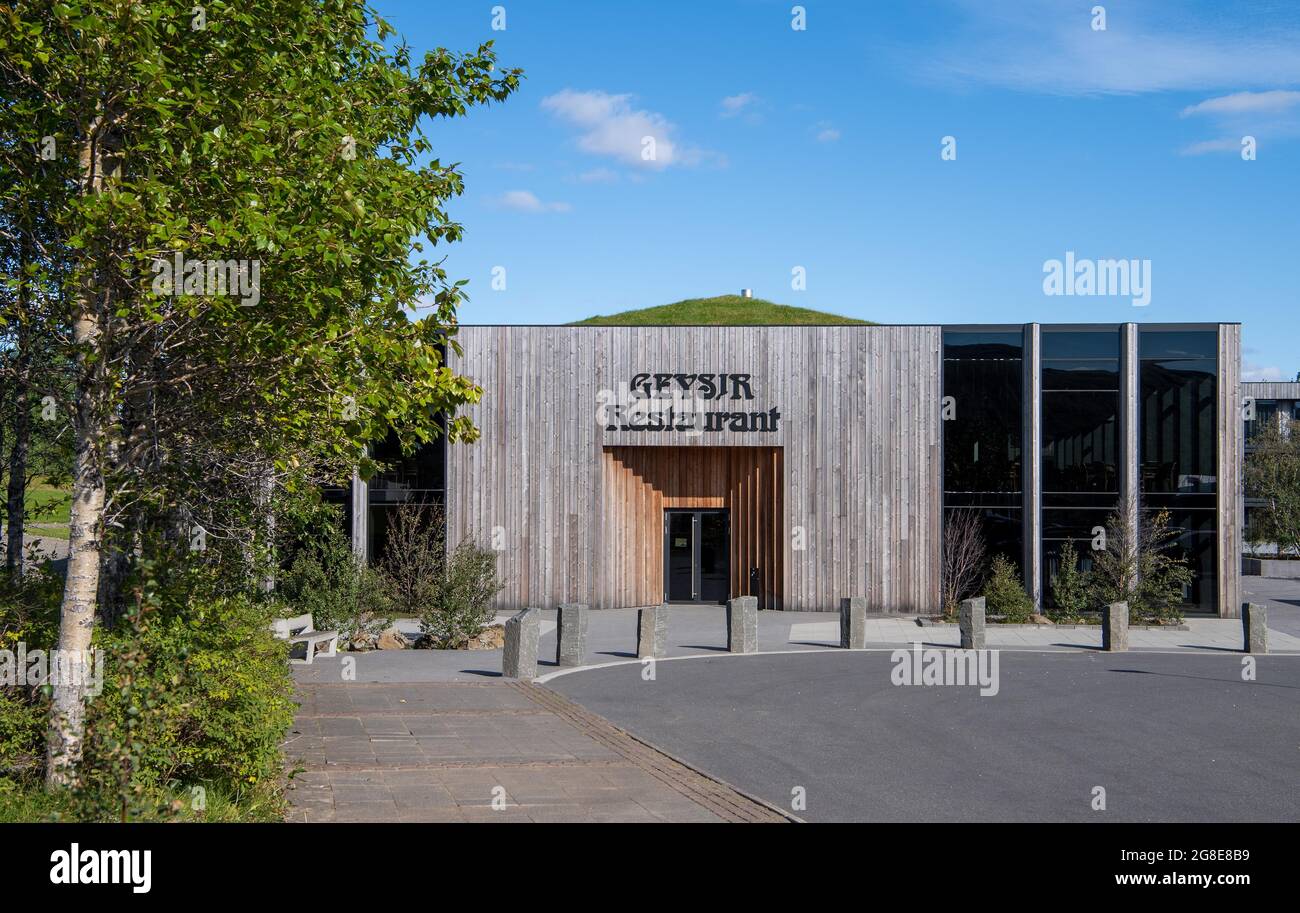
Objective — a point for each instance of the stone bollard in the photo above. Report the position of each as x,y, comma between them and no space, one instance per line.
1254,623
571,634
1114,627
652,632
742,624
853,623
523,631
971,623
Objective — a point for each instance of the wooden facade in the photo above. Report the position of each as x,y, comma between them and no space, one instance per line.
640,483
824,443
853,411
1231,483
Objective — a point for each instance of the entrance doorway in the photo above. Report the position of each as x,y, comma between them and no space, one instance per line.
697,550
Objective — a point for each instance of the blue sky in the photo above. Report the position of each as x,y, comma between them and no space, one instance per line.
821,148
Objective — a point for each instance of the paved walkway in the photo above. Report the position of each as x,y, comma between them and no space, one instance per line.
702,631
487,752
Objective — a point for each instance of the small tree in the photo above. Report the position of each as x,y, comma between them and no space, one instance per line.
1004,594
414,561
963,557
1140,566
462,601
1070,585
1273,475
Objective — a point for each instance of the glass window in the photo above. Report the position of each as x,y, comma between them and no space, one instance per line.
1178,344
1178,405
982,439
1178,426
1080,442
1081,374
1076,344
1265,412
983,344
983,373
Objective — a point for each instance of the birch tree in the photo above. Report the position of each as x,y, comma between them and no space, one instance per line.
284,136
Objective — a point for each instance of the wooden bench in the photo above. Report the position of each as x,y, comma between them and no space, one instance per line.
301,630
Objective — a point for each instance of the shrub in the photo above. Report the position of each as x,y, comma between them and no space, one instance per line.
963,557
414,562
29,614
1141,568
225,699
462,600
327,580
1003,593
1070,586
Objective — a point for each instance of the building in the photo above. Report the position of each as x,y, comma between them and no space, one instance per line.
1265,404
624,466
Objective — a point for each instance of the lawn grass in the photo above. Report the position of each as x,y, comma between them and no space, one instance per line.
47,504
48,509
28,802
722,310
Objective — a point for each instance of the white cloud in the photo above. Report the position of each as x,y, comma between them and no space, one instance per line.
734,105
1050,47
1209,146
527,201
827,132
611,126
599,176
1245,103
1253,372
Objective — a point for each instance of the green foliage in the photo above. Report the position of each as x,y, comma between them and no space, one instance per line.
1272,474
723,310
415,561
327,580
1070,587
1142,567
194,694
29,615
1004,594
461,601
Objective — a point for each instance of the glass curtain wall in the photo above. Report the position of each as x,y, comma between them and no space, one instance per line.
1179,402
1080,440
983,383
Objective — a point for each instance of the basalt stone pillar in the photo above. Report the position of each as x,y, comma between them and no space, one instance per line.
1114,627
742,624
523,631
1254,621
971,623
652,632
571,634
853,623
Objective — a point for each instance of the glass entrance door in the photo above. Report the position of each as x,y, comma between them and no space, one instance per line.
697,566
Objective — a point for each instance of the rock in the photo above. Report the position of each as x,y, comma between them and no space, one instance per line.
519,655
1040,620
392,639
742,624
571,634
853,623
493,637
970,623
362,641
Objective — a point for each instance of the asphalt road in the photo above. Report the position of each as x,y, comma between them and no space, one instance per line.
1170,737
1282,597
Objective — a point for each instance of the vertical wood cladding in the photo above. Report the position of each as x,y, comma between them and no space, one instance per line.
641,482
1231,483
854,487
